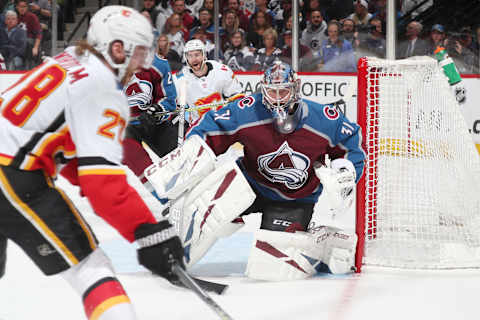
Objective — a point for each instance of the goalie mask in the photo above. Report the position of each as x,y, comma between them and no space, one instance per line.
280,90
114,24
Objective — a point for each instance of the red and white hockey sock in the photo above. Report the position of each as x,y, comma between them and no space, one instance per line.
106,299
102,294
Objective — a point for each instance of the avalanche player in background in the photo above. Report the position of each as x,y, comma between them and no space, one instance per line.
69,114
150,92
288,143
207,81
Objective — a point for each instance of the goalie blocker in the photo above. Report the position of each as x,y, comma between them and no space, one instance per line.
204,196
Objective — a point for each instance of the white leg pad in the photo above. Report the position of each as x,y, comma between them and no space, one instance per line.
281,256
339,249
210,207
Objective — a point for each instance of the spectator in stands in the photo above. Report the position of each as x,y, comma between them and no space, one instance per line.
265,56
230,25
336,53
315,32
43,10
242,18
466,38
34,33
310,6
164,50
208,4
361,16
149,6
176,6
205,18
372,43
187,19
413,45
350,33
262,6
457,48
437,38
238,56
176,32
307,62
259,23
14,49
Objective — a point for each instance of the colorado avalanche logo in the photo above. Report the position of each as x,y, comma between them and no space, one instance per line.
285,166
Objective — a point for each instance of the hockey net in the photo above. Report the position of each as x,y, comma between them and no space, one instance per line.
418,204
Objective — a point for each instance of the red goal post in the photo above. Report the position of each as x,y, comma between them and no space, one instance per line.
418,203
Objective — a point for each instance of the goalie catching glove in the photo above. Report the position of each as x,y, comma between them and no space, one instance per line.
338,180
159,248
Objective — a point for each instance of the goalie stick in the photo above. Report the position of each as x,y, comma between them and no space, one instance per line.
188,281
209,286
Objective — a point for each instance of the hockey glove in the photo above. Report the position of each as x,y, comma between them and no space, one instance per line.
159,248
154,114
338,180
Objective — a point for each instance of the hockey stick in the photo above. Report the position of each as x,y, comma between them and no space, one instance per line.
192,285
196,108
182,99
209,286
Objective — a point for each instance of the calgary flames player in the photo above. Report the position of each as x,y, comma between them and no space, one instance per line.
207,82
69,115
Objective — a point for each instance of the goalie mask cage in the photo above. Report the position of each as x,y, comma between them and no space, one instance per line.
418,203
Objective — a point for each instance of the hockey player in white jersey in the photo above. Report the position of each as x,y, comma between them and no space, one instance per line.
205,82
68,116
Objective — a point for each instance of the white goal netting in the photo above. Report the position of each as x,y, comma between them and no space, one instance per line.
420,204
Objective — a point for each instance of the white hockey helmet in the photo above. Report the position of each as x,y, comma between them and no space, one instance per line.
193,45
120,23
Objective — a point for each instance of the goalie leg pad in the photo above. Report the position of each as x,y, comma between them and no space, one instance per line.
210,208
281,256
182,168
338,251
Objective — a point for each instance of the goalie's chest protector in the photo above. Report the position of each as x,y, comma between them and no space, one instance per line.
282,164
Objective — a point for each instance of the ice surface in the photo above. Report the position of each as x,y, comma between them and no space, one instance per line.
377,293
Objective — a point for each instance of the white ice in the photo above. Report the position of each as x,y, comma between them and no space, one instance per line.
376,293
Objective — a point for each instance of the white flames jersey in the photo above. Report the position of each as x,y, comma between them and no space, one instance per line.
68,107
219,84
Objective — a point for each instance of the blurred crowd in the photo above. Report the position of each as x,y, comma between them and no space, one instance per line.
333,35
